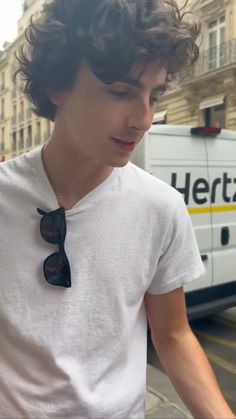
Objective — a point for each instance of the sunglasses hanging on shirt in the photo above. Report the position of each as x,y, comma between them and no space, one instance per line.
56,266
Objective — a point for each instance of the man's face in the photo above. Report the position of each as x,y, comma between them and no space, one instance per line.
103,123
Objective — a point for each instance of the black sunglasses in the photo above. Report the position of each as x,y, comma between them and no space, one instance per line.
56,267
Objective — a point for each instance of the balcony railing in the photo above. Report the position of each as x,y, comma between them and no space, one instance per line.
216,58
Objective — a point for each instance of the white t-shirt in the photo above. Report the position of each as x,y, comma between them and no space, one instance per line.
81,352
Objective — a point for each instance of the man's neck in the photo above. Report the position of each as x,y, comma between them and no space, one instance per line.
72,177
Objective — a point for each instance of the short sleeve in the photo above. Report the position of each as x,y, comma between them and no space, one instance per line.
180,261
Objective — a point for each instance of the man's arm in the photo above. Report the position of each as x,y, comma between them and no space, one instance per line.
183,358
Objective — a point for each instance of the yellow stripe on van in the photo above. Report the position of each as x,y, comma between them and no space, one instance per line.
206,210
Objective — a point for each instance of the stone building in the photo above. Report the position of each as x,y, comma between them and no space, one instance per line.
209,97
20,129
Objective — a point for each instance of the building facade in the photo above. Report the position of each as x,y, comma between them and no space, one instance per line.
20,129
208,97
4,106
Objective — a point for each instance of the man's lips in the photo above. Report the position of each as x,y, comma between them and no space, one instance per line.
126,140
125,144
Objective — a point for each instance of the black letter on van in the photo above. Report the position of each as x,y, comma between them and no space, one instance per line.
216,182
197,189
185,190
226,180
234,197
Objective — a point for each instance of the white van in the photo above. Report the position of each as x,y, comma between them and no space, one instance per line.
201,164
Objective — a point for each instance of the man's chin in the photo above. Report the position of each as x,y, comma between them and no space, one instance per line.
120,163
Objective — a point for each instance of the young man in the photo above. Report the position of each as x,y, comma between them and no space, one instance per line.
90,244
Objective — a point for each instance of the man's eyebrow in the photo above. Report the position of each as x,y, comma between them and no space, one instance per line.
139,85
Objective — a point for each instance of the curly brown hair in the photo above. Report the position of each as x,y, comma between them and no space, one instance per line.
110,35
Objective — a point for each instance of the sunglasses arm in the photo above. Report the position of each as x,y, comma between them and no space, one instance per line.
41,212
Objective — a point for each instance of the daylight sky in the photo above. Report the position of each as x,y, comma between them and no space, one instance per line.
10,11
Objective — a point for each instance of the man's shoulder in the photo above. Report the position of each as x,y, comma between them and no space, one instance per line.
151,187
11,170
16,170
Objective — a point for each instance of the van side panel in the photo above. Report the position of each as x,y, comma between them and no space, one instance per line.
221,153
203,169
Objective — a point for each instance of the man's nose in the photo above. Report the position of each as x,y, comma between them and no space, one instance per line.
141,118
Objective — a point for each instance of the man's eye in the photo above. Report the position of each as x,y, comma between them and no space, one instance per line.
119,94
153,100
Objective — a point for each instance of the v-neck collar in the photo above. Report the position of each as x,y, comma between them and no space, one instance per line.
47,191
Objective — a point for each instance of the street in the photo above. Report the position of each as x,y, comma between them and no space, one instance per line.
217,335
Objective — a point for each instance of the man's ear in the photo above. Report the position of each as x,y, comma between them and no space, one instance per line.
56,98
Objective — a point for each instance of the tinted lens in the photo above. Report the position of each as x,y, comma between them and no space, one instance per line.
53,226
57,270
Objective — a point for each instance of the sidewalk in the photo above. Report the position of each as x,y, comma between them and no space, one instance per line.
162,402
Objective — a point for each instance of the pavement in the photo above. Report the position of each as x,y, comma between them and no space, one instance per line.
162,401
